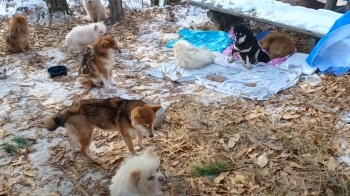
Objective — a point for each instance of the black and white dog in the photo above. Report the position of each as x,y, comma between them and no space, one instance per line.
247,46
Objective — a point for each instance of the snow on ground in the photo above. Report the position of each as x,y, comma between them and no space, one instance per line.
25,95
313,20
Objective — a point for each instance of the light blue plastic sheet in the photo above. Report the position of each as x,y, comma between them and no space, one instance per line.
332,53
212,40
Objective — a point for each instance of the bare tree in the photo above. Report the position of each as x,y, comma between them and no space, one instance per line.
347,7
330,5
117,13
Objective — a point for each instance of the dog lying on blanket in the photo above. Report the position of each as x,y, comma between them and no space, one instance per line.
278,45
187,56
248,46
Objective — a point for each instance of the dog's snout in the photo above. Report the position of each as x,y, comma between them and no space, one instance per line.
89,1
119,51
150,135
161,178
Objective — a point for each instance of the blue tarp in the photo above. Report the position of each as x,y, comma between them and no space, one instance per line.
332,53
212,40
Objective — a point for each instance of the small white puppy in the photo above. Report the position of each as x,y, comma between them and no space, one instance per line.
82,36
138,176
95,10
187,56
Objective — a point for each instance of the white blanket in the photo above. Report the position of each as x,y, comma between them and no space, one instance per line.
256,83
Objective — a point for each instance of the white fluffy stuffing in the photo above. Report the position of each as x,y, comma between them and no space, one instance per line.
187,56
138,176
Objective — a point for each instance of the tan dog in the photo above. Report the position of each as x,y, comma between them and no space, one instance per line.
99,61
277,45
17,35
130,117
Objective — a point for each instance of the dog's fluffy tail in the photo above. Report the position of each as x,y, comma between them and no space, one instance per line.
53,122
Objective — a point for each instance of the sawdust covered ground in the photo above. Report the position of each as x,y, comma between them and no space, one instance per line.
285,146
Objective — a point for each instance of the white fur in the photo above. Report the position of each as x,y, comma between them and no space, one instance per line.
82,36
187,56
241,39
124,184
95,10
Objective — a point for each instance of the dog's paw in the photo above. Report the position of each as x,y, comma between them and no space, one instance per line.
75,150
113,83
231,59
98,161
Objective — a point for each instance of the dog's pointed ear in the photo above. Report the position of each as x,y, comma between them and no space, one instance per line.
21,19
135,113
247,26
104,43
155,108
135,175
88,47
150,151
95,27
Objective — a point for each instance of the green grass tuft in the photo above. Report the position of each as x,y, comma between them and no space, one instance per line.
21,142
213,168
9,148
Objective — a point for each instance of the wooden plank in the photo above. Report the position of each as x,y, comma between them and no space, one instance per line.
251,15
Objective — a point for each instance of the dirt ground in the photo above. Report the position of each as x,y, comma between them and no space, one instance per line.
288,145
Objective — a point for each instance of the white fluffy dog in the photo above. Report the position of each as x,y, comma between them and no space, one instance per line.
95,10
82,36
138,176
187,56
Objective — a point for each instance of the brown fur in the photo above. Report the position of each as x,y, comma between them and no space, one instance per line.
277,45
98,62
17,35
127,116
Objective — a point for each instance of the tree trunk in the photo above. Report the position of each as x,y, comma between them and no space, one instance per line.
347,7
117,13
330,5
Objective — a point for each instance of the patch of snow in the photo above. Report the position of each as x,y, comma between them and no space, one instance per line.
8,8
310,19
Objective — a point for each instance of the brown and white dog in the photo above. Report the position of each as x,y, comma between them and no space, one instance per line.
99,61
129,117
17,35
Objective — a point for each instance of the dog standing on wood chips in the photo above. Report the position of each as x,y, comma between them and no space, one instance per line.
97,63
248,46
95,10
82,36
138,176
187,56
129,117
17,35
